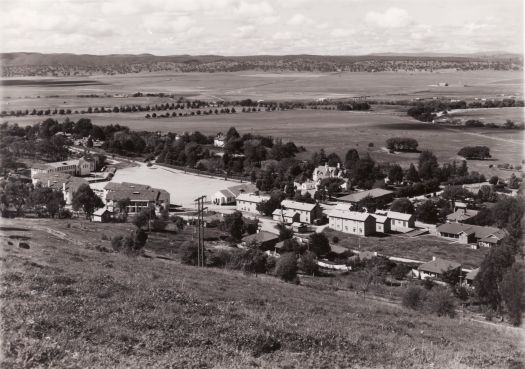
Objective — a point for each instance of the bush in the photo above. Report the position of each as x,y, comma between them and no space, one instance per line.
414,298
400,271
157,225
286,267
116,243
189,253
308,263
441,302
64,214
335,239
104,237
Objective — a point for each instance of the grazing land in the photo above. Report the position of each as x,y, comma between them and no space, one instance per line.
67,304
421,248
492,115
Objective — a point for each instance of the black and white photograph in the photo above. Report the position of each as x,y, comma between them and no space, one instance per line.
293,184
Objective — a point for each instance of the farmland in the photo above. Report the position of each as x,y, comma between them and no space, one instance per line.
67,304
493,115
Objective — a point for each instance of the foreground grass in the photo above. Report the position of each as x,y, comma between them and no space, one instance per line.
69,305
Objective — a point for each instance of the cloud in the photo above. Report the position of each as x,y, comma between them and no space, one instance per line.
245,31
298,20
167,24
390,18
253,10
282,36
342,32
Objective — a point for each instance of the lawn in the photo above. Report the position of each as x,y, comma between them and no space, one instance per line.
421,248
65,304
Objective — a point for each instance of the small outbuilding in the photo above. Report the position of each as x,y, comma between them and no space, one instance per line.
101,215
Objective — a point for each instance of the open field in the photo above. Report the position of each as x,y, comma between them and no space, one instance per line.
183,188
66,304
493,115
277,86
421,248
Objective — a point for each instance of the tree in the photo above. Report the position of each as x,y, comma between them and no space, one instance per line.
319,244
286,267
89,142
17,194
494,180
413,297
412,174
475,152
402,144
486,193
143,217
428,166
514,182
427,212
506,210
441,302
512,288
491,273
234,224
351,158
308,263
84,198
395,174
232,134
254,261
403,205
189,253
122,205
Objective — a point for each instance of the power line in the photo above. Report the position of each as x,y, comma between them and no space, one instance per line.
200,230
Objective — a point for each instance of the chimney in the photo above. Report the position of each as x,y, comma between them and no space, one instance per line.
433,258
64,186
48,183
338,165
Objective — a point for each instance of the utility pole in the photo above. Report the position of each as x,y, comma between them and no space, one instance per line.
200,230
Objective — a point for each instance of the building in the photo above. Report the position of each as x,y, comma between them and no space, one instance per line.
66,183
219,140
382,223
324,171
436,268
470,277
401,222
101,215
461,213
307,212
228,195
288,216
353,222
377,194
305,186
140,197
75,167
248,202
471,234
264,240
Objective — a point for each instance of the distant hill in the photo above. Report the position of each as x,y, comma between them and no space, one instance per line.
38,64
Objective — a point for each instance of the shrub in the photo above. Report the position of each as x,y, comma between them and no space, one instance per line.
265,344
286,267
157,225
335,239
400,271
116,243
189,253
428,283
104,237
441,302
414,297
308,263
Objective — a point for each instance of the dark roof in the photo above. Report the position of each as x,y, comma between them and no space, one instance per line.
261,237
439,266
133,191
56,181
462,215
479,231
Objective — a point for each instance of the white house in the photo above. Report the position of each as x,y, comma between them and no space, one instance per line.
436,268
248,202
228,195
324,171
219,140
399,222
75,167
307,212
353,222
66,183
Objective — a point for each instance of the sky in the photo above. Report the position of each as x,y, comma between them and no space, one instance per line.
254,27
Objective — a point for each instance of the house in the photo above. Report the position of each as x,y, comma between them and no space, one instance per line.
382,223
471,234
436,268
66,183
101,215
377,194
399,222
353,222
264,240
461,213
470,277
324,171
288,216
75,167
228,195
248,202
304,186
298,227
219,140
307,212
140,197
339,251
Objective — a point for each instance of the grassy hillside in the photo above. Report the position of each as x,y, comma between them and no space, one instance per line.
67,304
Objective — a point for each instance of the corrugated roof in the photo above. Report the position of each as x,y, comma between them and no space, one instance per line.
358,196
439,266
296,205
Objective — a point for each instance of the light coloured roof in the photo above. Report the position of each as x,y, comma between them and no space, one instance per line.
296,205
358,196
397,215
248,197
100,211
242,188
284,212
133,191
57,180
261,236
347,214
380,218
462,215
439,266
472,274
479,231
339,250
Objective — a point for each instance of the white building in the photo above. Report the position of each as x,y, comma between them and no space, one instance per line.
399,222
353,222
219,140
307,212
64,182
248,202
140,197
324,171
228,195
75,167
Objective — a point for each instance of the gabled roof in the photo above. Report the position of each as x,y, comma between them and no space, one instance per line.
462,215
358,196
56,181
242,188
351,215
100,211
338,250
400,216
296,205
248,197
479,231
472,274
284,212
380,218
439,266
261,236
135,192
